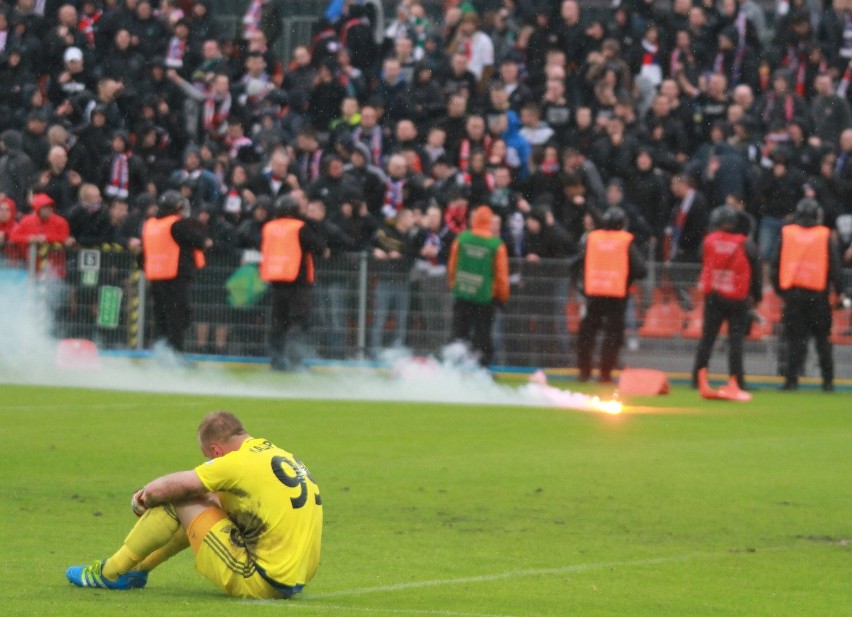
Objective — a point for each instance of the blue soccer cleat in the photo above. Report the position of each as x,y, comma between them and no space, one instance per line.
137,579
91,576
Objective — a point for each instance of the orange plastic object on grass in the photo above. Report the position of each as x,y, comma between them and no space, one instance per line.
642,382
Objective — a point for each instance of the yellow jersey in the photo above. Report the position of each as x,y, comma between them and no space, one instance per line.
273,500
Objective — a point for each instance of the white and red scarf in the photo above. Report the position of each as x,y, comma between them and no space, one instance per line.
119,180
216,113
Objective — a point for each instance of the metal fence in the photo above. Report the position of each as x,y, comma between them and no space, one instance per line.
363,306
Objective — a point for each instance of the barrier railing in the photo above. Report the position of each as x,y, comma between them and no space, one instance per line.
362,306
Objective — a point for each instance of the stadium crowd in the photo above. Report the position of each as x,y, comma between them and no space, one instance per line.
388,132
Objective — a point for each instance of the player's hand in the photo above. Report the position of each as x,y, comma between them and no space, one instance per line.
137,502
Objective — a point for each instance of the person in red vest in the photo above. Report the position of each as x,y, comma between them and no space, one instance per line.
287,249
610,262
42,225
806,265
731,281
172,250
478,274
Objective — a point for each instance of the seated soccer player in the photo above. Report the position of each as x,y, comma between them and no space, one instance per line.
252,514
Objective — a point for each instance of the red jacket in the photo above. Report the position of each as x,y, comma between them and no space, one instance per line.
54,229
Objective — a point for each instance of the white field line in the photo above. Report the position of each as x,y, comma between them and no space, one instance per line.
581,567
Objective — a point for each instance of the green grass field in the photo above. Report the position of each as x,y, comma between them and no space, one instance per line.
459,510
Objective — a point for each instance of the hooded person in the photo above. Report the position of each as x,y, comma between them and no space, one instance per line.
16,168
41,226
478,275
8,218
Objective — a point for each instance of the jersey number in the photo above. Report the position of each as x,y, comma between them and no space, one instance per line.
280,464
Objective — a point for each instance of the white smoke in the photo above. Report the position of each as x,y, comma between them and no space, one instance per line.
28,355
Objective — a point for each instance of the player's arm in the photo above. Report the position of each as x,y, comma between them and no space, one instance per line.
174,487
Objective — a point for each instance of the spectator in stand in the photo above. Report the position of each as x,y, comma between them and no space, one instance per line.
34,136
59,181
207,185
395,246
123,227
325,98
781,188
122,173
43,225
72,80
249,231
16,167
265,16
647,187
829,113
392,93
89,220
370,178
124,62
782,103
212,105
333,187
8,219
148,34
685,231
331,285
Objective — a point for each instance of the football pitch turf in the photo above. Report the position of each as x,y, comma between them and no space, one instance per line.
676,507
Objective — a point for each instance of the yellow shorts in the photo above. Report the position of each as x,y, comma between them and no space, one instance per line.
220,555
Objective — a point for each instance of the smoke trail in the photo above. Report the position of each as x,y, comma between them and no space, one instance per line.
28,356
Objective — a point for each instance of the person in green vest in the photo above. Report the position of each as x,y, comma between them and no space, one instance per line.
478,273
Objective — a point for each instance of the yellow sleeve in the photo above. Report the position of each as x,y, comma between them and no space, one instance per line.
221,474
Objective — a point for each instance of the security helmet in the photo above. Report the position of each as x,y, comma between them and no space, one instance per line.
614,219
171,201
723,217
286,206
808,212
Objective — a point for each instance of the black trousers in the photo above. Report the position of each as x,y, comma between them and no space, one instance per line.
807,313
718,310
473,323
172,314
605,314
291,316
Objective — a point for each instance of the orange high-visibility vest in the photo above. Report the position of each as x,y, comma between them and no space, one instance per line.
162,253
804,257
281,252
607,263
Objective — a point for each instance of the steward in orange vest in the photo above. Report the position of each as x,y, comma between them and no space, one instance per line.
610,262
172,248
288,247
730,280
806,266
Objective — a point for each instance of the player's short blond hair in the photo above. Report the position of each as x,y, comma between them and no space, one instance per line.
219,427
